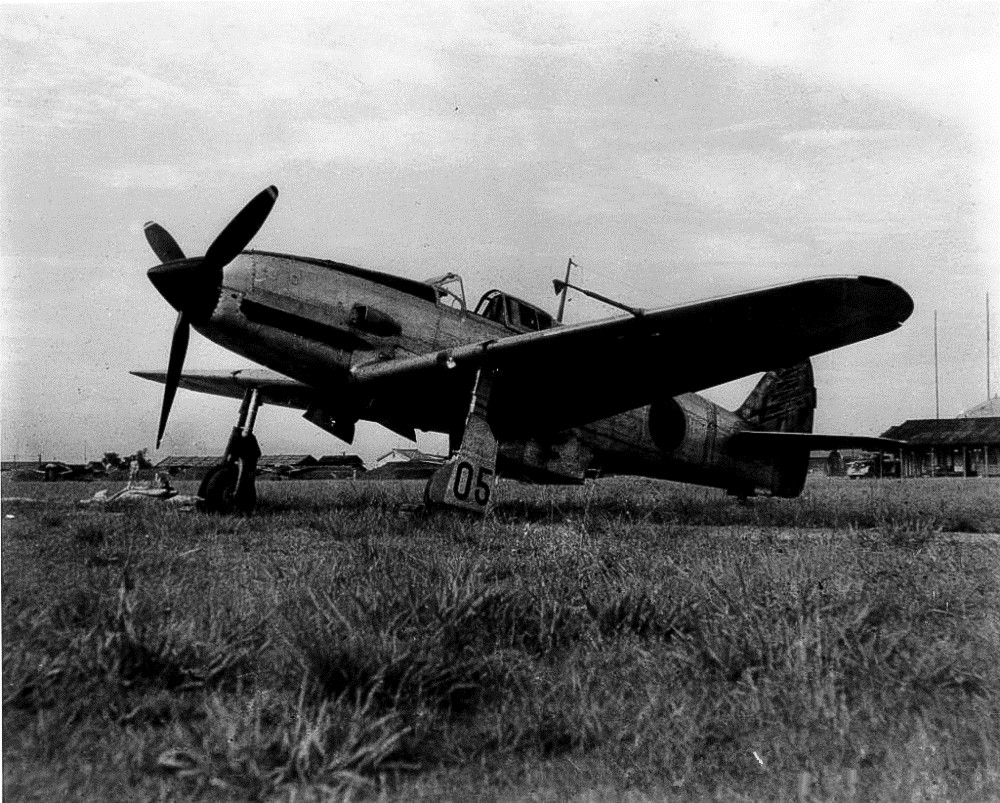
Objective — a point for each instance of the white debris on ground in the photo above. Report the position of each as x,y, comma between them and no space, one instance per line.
157,490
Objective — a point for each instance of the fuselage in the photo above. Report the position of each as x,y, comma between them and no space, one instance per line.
315,320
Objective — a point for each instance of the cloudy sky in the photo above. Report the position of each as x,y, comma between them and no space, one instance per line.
676,151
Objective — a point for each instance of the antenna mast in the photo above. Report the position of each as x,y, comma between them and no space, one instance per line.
565,290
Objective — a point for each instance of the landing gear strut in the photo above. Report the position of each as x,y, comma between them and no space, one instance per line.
230,487
466,480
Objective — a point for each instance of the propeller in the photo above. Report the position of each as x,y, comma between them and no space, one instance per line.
163,245
192,286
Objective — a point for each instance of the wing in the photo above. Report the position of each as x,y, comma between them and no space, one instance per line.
570,375
274,388
277,389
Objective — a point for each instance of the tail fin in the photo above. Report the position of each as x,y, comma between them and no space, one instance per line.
783,400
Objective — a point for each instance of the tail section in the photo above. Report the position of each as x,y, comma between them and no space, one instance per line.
783,401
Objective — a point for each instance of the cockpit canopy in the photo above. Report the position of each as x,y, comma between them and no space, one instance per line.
449,290
513,312
495,305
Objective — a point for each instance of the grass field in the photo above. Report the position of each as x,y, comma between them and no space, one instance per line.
624,640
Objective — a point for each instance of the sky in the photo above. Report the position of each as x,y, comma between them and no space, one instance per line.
675,151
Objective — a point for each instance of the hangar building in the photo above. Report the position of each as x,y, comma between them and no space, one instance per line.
967,446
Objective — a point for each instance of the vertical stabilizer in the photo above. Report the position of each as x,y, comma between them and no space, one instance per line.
783,400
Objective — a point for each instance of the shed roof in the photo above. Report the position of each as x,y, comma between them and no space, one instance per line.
947,431
404,453
413,454
347,460
286,460
197,461
988,409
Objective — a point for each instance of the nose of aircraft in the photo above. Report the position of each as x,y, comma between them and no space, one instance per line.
188,285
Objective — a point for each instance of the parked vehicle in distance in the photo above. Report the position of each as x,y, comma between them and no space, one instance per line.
870,467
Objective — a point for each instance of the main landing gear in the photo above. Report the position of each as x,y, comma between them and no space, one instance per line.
466,480
230,487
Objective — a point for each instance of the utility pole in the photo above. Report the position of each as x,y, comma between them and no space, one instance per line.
937,395
988,397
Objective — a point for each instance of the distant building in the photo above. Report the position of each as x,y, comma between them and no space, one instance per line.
968,446
405,464
272,466
187,468
338,467
20,465
988,409
408,456
286,461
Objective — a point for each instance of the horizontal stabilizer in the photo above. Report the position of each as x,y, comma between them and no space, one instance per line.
771,442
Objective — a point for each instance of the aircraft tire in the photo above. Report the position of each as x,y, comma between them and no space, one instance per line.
220,493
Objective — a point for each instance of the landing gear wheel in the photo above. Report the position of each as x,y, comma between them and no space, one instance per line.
230,487
221,490
218,489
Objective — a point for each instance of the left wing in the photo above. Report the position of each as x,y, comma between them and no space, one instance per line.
570,375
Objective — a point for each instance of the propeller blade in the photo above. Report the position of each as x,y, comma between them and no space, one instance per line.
178,350
241,230
164,246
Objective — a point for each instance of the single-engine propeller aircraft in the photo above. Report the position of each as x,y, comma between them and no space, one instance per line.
517,392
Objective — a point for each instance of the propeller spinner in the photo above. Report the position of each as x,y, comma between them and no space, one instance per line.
192,286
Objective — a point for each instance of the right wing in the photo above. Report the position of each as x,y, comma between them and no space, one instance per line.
274,388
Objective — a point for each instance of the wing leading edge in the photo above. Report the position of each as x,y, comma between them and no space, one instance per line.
274,388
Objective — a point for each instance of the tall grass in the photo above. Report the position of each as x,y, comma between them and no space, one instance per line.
600,642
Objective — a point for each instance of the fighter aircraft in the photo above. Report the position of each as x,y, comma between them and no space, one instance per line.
516,391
